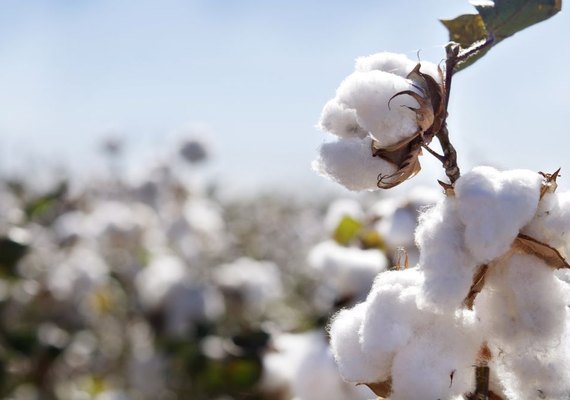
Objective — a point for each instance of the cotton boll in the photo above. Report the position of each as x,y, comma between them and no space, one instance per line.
494,206
256,282
392,316
350,163
369,93
204,216
341,121
317,376
447,265
348,271
155,281
303,365
355,365
437,363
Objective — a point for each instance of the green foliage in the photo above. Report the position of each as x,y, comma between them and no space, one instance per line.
499,19
347,229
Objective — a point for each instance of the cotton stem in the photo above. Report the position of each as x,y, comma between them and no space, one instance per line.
454,56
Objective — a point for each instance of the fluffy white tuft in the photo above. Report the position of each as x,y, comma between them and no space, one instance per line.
447,265
354,364
369,94
336,118
350,163
494,206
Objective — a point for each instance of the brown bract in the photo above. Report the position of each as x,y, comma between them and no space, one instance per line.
430,117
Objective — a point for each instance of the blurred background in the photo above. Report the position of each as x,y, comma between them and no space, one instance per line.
162,235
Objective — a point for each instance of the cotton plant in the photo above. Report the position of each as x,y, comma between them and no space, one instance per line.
484,312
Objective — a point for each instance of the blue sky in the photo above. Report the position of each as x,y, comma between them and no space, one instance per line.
258,73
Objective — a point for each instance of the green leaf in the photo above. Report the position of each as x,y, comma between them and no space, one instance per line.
346,230
504,18
466,29
501,19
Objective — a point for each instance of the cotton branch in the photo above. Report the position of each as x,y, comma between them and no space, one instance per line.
455,56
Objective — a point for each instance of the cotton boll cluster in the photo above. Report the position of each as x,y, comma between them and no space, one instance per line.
485,284
370,113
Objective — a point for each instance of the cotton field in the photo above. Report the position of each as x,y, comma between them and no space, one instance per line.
156,289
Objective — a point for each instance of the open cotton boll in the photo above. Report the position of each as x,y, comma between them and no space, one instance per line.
318,365
494,206
155,281
354,364
257,282
350,163
348,271
369,94
341,121
391,316
447,266
551,223
437,363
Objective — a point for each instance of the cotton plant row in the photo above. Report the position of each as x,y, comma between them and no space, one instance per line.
141,289
483,312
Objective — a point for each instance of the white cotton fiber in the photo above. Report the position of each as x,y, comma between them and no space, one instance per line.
349,271
448,267
437,363
318,365
392,315
540,297
354,364
369,93
494,206
534,369
394,63
523,301
551,223
350,163
336,118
